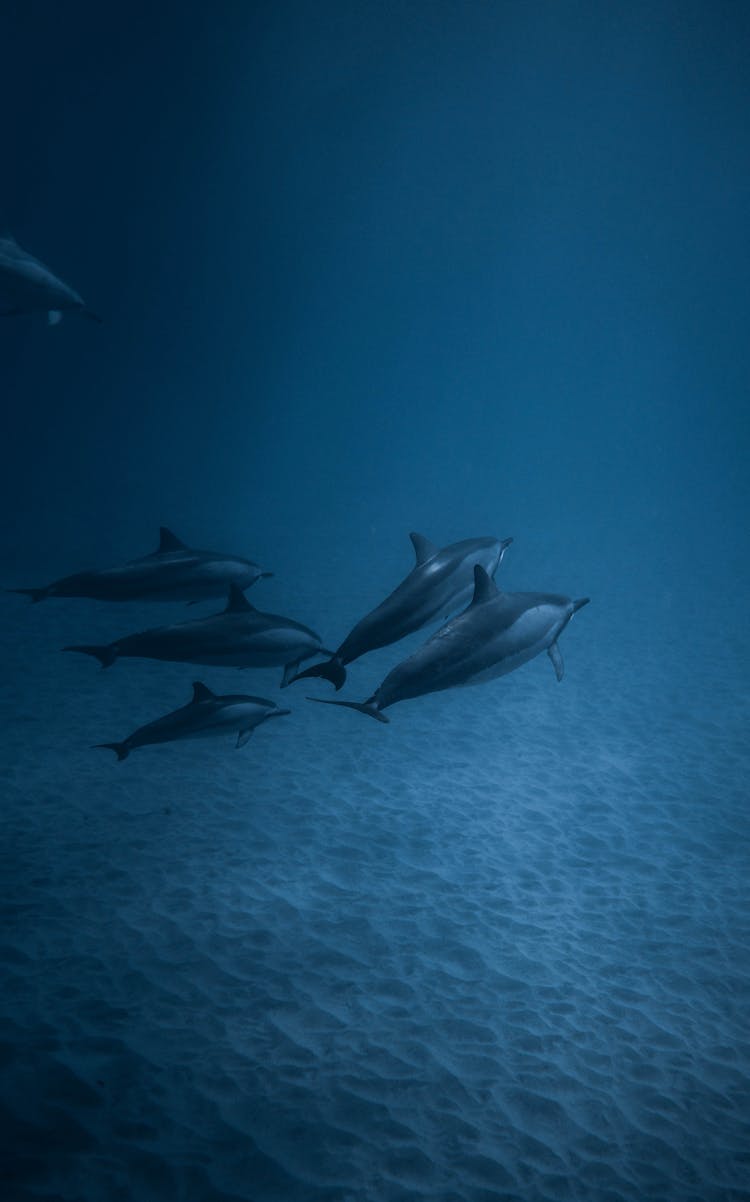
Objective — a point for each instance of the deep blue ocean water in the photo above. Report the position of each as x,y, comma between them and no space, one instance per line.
363,269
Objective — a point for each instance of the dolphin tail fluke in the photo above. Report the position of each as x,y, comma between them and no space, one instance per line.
121,750
35,594
291,669
106,654
579,604
331,669
362,707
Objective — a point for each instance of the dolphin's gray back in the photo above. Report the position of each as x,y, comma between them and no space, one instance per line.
488,639
184,574
247,639
431,590
187,574
203,719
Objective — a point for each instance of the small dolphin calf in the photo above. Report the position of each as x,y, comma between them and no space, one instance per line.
495,635
173,572
206,715
26,286
437,586
240,637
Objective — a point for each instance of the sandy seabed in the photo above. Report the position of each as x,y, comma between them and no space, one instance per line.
499,949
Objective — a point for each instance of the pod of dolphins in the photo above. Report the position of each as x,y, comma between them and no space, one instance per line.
494,634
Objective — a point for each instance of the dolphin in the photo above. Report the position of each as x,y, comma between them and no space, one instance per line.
495,635
439,584
206,715
26,286
239,637
173,572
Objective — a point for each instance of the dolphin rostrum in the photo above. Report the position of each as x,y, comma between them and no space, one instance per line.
239,637
496,634
206,715
26,286
439,584
173,572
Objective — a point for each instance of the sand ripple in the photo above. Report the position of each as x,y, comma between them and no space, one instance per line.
498,950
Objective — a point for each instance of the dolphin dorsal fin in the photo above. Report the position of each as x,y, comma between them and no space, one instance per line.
169,541
238,602
201,692
423,548
484,586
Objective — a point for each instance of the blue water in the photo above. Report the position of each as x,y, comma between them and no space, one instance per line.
366,269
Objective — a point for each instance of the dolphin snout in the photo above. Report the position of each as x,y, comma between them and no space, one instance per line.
504,544
579,604
279,712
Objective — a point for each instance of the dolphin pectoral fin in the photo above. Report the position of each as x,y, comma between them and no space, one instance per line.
54,317
557,660
243,737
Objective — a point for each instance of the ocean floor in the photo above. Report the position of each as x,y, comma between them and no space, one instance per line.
499,949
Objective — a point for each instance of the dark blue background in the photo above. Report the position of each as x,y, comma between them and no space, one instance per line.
381,264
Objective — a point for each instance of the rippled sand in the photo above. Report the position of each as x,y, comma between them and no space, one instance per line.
499,949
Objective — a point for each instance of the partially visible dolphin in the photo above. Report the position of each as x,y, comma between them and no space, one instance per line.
26,286
206,715
439,584
239,637
496,634
174,572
